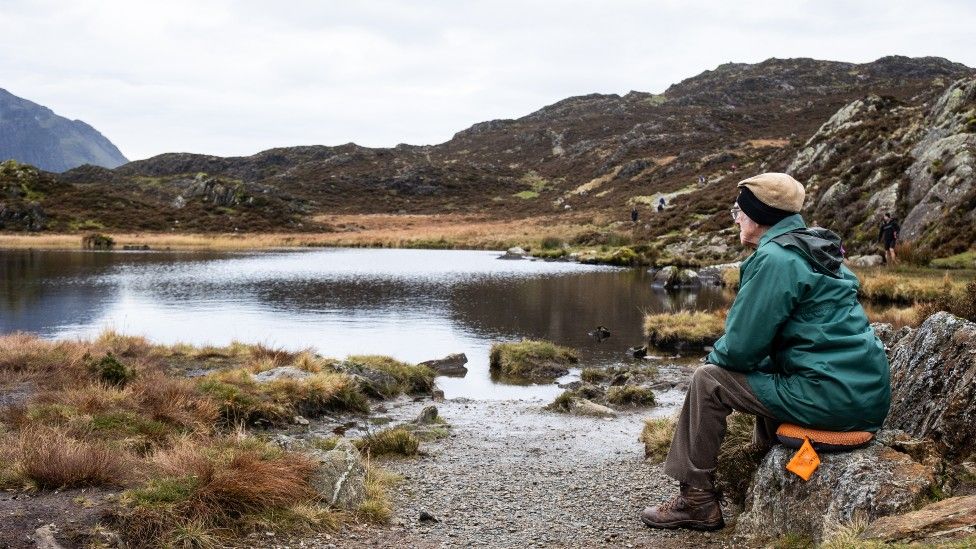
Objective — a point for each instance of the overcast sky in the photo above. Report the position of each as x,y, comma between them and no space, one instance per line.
237,77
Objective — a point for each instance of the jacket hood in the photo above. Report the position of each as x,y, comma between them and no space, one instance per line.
820,247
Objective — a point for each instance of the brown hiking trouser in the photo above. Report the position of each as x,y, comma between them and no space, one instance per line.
713,394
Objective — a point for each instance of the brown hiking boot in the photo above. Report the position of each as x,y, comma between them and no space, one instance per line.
691,508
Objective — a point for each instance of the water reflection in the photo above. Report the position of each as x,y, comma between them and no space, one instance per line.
411,304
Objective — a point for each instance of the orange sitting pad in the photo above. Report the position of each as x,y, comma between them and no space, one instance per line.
793,436
805,461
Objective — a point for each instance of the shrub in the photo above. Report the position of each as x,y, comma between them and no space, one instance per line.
912,254
631,395
656,436
963,306
552,242
111,371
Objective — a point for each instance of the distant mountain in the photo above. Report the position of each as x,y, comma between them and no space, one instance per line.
33,134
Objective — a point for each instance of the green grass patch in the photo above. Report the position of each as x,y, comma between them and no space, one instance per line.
526,195
965,260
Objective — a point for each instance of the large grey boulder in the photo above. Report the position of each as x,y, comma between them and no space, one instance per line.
340,478
513,253
870,482
933,380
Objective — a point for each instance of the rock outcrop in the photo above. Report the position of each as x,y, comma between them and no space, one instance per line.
451,365
933,378
871,482
932,421
945,520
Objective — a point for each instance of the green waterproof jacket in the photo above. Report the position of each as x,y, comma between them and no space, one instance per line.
798,332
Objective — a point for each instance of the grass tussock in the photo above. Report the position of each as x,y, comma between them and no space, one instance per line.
531,359
220,487
693,328
389,442
410,379
594,375
49,458
242,399
376,508
656,436
631,395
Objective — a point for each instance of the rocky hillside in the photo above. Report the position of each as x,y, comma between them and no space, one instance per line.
33,134
850,131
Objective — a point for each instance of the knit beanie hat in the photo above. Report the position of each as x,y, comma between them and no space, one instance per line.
769,198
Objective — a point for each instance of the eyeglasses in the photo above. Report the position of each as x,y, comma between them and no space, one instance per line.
735,213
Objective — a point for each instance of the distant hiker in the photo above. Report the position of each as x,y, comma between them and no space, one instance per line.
701,179
660,204
734,167
634,215
797,348
888,235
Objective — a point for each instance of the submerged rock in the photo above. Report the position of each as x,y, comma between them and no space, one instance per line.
451,365
340,478
585,407
513,253
870,482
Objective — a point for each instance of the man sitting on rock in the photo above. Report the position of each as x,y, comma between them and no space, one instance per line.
797,348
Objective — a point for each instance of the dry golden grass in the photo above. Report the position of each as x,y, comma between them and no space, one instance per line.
896,316
49,458
656,436
389,442
691,327
193,480
759,143
217,486
909,285
376,230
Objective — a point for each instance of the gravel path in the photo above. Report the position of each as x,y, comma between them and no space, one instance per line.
513,475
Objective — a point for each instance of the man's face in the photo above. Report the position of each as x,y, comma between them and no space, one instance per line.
749,231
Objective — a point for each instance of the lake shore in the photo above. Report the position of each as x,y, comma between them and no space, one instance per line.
448,231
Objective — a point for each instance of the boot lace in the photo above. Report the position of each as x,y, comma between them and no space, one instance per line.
670,504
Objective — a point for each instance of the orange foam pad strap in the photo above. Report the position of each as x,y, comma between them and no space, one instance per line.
805,461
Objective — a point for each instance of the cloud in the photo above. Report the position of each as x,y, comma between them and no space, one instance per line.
236,77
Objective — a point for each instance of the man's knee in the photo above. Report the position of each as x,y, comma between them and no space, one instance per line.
706,373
